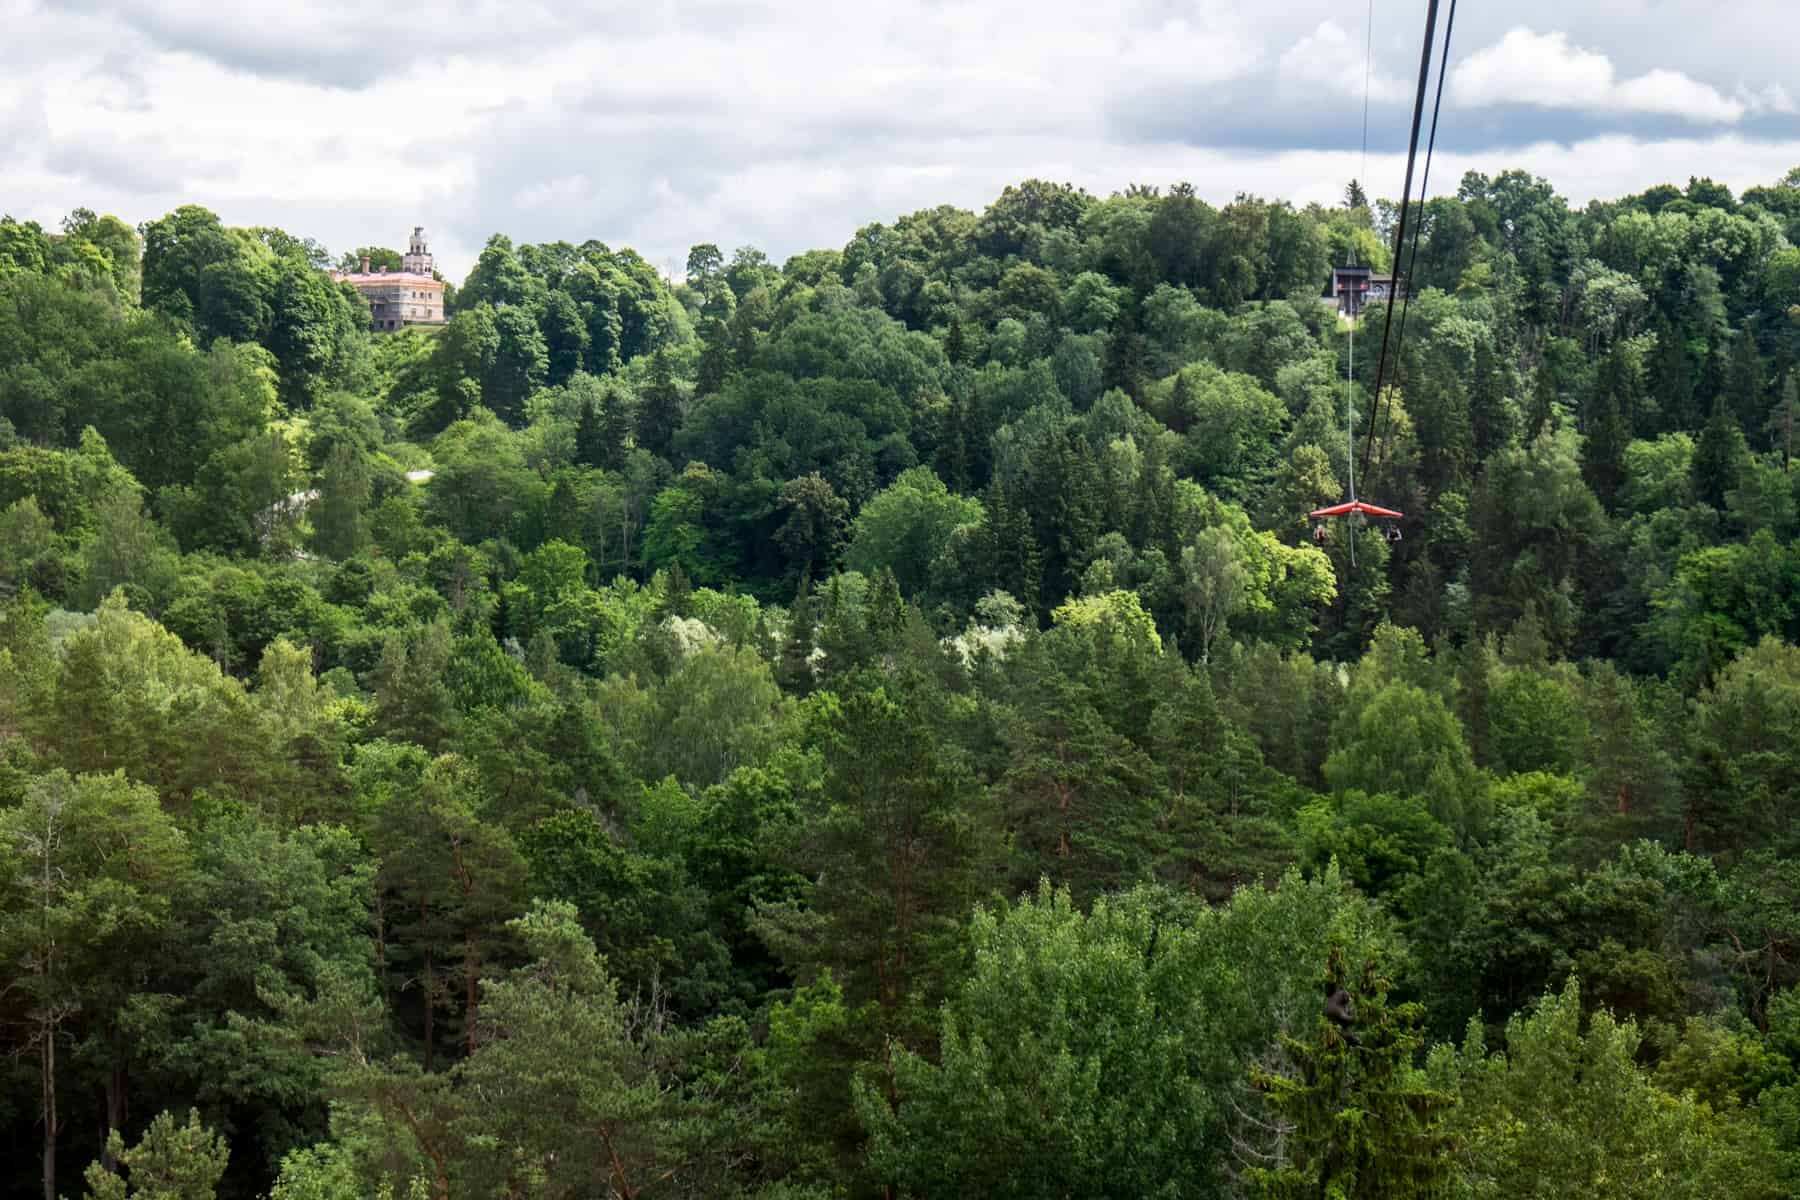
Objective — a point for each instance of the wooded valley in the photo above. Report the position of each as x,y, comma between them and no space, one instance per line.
885,724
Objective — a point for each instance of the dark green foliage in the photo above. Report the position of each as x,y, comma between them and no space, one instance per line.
1364,1121
407,762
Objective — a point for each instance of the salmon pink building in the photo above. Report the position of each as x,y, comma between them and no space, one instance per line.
409,296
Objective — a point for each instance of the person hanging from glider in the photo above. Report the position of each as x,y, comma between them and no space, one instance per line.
1356,508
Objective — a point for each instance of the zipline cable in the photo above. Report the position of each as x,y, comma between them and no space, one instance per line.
1412,154
1412,258
1368,61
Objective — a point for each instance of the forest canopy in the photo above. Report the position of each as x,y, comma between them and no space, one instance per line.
885,724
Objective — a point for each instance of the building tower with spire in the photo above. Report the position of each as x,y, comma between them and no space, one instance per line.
410,296
417,260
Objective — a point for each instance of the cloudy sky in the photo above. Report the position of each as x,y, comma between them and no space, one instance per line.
789,123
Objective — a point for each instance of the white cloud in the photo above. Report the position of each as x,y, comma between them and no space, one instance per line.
791,123
1772,98
1546,71
1328,58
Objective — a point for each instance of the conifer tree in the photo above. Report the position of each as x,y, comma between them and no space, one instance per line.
794,670
1181,404
1744,385
1672,381
615,428
1125,358
590,437
1607,428
715,358
955,347
659,412
887,609
1541,414
743,336
1362,1122
1490,423
1718,456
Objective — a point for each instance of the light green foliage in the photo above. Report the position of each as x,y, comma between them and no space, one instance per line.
1567,1110
94,868
1231,424
760,630
906,527
1403,739
130,696
1124,1035
171,1162
1117,618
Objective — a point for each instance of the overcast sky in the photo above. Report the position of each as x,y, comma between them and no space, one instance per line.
787,124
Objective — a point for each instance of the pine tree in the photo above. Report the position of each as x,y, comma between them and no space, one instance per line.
1490,422
677,593
659,413
1124,358
1607,427
1781,420
1718,456
715,358
887,609
1711,384
1010,550
743,336
955,349
1363,1124
590,437
1542,413
794,669
615,423
340,528
1744,384
1672,381
1181,404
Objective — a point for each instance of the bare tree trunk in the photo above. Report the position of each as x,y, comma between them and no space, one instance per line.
114,1092
426,987
381,944
47,1066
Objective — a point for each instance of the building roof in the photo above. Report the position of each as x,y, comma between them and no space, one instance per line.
406,277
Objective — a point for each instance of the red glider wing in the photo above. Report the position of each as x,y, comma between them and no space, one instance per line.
1355,506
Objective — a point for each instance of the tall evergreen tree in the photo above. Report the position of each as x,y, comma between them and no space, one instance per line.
715,358
1365,1124
615,427
1540,414
1672,381
1124,368
955,345
1490,421
660,408
794,669
590,436
1607,427
1744,384
1719,456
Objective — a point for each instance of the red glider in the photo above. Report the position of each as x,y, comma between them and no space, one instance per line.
1355,506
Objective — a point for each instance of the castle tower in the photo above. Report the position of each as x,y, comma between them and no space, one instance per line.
418,257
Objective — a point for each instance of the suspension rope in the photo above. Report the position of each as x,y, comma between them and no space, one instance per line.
1412,154
1412,259
1368,61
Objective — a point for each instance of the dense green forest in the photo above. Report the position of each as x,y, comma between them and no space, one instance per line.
884,724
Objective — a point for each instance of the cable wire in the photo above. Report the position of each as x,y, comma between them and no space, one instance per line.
1412,259
1368,62
1412,155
